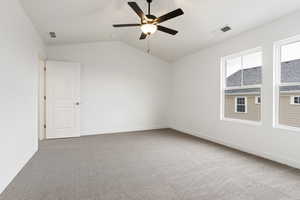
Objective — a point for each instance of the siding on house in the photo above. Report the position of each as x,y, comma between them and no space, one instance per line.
289,114
253,110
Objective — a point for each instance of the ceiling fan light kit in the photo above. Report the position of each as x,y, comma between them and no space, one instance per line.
148,29
150,23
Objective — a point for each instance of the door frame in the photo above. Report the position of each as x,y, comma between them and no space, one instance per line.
41,99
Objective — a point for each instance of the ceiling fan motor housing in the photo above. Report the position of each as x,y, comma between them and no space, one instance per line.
150,19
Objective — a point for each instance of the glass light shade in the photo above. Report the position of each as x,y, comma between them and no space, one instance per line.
149,28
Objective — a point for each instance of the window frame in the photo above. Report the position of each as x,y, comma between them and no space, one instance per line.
237,104
293,100
256,100
277,81
223,86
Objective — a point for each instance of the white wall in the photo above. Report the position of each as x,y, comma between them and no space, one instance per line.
20,49
195,106
122,89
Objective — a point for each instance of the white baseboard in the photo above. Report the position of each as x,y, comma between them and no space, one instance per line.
281,160
20,166
95,132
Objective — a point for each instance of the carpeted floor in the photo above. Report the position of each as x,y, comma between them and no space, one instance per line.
150,165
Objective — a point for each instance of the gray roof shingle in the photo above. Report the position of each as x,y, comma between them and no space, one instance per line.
251,76
290,71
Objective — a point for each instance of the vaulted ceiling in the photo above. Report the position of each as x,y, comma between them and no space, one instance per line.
76,21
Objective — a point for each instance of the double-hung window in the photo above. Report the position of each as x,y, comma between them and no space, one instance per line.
257,100
241,85
241,104
295,100
287,83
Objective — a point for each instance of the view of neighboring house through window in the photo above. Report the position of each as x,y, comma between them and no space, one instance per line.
295,100
257,100
241,104
288,83
242,79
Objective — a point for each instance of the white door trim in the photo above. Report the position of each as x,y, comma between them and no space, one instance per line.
41,101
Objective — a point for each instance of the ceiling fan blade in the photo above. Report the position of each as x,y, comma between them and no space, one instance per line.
125,25
170,15
137,9
167,30
143,36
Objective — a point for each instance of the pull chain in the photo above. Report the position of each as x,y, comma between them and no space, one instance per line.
148,45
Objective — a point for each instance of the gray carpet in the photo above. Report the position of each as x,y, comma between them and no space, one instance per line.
152,165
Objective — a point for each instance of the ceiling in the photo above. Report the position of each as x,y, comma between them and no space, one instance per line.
76,21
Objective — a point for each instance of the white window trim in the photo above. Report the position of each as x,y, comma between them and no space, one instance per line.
243,121
277,81
236,104
256,100
293,100
223,87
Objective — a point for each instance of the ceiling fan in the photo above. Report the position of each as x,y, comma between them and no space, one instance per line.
150,23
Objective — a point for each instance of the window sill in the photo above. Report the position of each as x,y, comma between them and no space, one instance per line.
242,121
289,128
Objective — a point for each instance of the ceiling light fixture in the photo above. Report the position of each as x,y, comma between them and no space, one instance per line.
149,29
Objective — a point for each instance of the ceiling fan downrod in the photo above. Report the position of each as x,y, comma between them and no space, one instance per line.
149,6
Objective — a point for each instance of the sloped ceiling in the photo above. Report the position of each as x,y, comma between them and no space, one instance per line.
76,21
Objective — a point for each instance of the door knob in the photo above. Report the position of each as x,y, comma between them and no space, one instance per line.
77,103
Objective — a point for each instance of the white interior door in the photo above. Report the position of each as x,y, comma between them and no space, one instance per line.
62,99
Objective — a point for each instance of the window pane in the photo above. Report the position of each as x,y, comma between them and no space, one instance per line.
252,65
243,71
290,71
290,63
234,72
257,100
289,114
240,108
290,52
252,60
289,110
241,101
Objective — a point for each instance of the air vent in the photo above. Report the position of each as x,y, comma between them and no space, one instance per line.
52,34
226,28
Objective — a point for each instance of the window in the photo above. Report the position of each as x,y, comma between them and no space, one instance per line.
241,104
295,100
241,79
257,100
287,84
